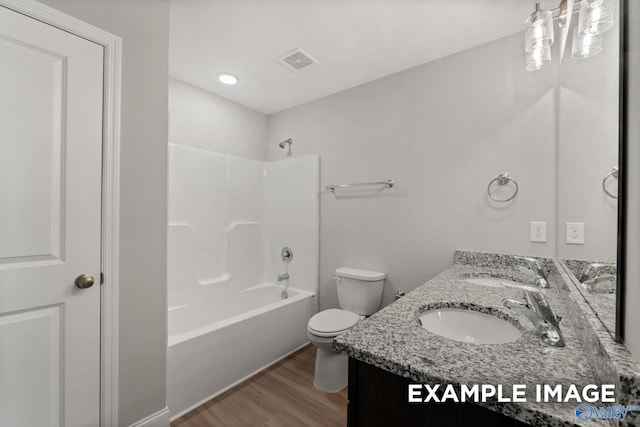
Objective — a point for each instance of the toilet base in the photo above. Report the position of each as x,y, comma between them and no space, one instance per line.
332,370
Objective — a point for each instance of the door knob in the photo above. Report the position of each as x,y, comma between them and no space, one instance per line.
84,281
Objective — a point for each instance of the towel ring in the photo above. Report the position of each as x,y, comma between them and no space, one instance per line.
502,179
613,173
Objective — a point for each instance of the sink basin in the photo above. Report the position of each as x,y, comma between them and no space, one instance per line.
469,326
492,280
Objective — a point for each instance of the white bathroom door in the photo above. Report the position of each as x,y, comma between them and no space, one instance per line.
50,226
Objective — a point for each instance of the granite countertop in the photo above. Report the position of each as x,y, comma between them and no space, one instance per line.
393,340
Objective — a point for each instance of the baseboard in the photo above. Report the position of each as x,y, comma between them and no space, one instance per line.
159,419
229,387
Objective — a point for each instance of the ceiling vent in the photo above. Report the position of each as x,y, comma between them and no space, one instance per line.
297,59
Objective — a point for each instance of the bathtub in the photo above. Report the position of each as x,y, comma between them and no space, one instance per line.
214,345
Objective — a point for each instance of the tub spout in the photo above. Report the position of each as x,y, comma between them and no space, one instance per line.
282,277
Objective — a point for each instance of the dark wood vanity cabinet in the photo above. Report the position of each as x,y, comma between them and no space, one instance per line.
378,398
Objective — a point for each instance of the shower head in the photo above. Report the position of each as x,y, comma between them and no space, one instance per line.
285,143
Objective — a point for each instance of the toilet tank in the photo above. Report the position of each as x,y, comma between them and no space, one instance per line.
359,291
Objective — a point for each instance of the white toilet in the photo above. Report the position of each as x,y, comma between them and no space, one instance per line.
359,295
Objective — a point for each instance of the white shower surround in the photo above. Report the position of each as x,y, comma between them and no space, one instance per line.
229,218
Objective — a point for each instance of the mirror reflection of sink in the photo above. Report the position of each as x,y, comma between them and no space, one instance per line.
493,280
486,281
468,326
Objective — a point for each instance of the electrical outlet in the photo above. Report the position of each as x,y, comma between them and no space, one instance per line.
575,233
538,231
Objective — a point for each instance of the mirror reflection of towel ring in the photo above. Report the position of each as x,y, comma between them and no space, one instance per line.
614,174
502,179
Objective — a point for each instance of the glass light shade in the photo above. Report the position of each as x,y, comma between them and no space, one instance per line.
539,58
538,30
585,45
596,16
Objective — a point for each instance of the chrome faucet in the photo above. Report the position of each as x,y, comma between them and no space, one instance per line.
605,283
536,308
532,266
287,254
594,275
592,271
283,276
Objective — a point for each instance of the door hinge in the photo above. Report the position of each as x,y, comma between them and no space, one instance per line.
101,277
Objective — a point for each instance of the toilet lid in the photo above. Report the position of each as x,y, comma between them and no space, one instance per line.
332,322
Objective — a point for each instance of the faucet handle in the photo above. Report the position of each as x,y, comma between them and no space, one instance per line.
536,263
550,335
526,270
533,266
287,254
541,282
596,265
511,303
530,261
591,271
592,283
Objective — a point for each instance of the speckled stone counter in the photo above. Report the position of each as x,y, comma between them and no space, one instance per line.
393,340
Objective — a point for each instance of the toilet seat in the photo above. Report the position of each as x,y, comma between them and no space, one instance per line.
332,322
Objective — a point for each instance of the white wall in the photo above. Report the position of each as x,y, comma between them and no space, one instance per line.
442,131
632,297
203,120
588,149
143,26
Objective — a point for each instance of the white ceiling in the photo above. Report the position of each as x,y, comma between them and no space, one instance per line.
355,41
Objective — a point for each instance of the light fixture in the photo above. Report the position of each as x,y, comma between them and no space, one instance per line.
595,17
540,57
228,79
538,30
585,45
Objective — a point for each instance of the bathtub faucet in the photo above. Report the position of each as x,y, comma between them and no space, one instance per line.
282,277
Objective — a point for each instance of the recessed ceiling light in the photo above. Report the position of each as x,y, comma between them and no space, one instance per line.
228,79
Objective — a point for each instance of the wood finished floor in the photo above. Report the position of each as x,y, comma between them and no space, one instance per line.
280,396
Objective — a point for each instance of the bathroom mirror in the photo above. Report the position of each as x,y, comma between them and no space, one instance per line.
442,119
587,180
